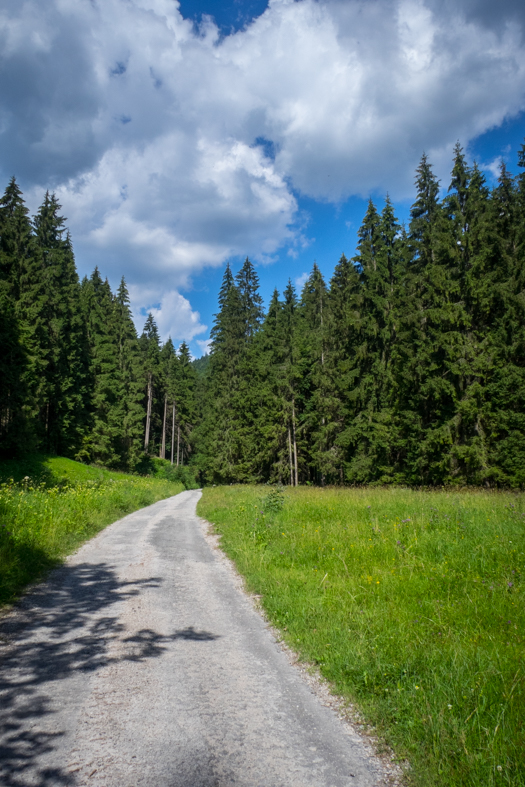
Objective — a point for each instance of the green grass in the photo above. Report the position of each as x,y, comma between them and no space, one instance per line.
411,603
51,505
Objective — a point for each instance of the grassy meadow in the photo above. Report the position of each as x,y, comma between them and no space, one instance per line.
49,506
411,603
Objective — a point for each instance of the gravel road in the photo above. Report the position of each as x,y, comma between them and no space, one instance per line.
142,662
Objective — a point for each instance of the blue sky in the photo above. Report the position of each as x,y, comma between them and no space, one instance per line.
180,136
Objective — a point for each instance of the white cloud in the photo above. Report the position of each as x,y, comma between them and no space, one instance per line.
172,149
205,345
300,281
493,167
171,310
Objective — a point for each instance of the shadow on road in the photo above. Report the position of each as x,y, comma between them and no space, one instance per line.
64,627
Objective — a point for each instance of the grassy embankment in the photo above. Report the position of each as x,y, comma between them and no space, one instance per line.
55,504
412,605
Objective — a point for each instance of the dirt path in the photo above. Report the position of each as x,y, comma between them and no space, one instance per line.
141,662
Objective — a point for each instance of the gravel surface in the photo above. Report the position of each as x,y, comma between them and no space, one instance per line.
143,662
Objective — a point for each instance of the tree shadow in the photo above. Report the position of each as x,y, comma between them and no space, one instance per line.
33,465
62,628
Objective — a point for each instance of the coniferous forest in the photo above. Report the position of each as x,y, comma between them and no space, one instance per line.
407,367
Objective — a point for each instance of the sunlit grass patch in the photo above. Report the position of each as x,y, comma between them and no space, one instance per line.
410,602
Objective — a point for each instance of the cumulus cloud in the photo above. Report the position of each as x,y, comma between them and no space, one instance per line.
172,211
205,345
173,314
173,148
300,281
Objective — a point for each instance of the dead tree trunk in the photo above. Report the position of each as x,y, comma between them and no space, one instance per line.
290,454
294,443
178,444
162,453
148,412
172,432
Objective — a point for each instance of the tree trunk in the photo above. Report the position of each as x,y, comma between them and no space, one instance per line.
294,443
148,413
322,334
162,453
172,432
290,453
178,444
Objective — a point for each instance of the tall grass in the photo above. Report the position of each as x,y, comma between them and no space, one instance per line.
44,519
411,603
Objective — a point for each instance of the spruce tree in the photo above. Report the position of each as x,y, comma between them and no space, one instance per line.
168,364
313,406
227,338
430,338
505,390
380,261
150,350
16,248
342,363
250,301
130,390
55,335
466,207
101,443
271,433
187,406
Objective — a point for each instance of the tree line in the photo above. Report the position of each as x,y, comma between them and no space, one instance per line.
407,367
75,379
